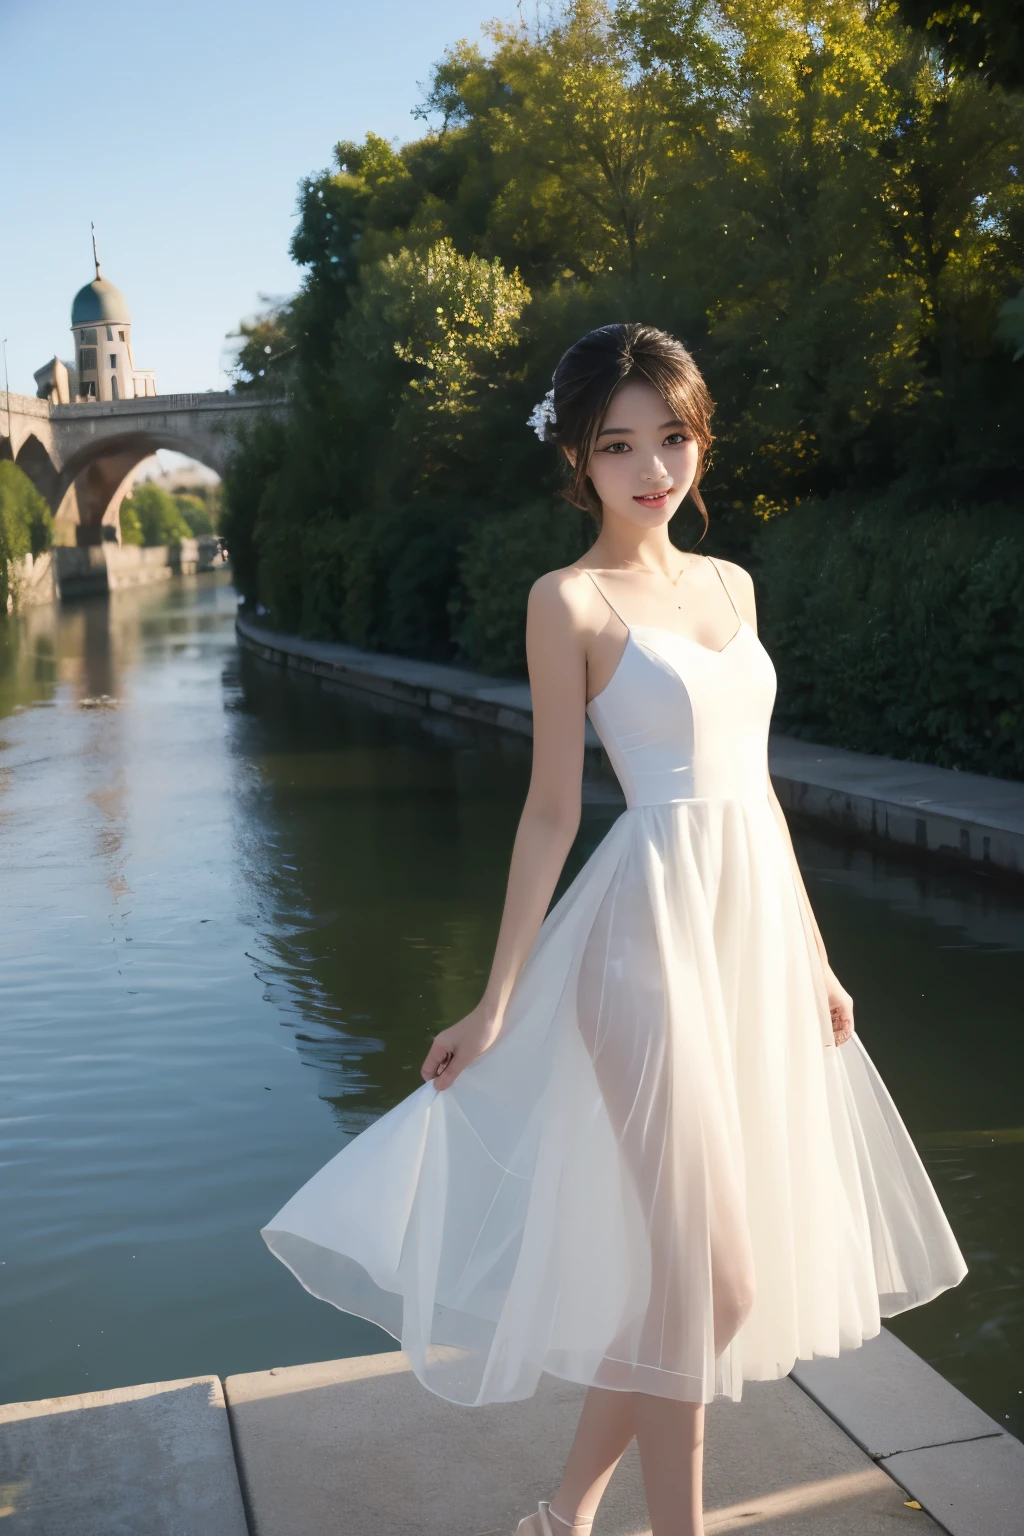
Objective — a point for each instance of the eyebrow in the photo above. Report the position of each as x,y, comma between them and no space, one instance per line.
628,431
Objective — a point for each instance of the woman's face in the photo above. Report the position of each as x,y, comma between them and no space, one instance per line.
645,459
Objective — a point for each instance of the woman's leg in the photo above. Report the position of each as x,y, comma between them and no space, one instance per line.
670,1438
661,1098
606,1427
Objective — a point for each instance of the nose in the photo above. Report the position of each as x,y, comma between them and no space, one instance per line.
655,470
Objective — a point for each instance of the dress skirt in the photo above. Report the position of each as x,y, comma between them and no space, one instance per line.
663,1176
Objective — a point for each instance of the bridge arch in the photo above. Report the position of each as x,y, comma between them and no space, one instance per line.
82,457
33,458
97,478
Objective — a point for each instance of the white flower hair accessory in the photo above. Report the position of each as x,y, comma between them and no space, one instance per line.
542,417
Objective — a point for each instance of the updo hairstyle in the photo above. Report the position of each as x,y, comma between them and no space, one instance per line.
587,377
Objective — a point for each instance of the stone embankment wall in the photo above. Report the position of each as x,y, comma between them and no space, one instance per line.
93,570
958,817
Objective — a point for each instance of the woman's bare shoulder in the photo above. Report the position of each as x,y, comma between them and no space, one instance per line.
560,595
741,585
739,573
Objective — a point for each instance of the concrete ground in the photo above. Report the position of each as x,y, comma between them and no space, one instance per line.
959,1463
872,1444
154,1460
360,1448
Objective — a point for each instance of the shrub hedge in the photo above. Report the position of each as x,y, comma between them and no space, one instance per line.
899,630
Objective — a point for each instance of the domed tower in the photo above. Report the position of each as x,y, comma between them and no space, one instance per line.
101,324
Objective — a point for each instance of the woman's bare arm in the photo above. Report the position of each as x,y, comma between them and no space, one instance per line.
556,658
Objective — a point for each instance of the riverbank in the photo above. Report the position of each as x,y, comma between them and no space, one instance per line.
871,1444
964,818
94,570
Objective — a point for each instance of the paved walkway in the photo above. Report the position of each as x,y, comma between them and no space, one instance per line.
358,1448
964,817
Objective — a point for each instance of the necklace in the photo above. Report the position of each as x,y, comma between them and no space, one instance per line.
673,581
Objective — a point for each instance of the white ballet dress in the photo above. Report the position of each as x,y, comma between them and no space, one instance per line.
663,1176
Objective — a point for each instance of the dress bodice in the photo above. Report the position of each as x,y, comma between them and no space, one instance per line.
680,721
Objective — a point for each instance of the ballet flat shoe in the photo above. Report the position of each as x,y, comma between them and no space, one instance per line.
543,1523
537,1524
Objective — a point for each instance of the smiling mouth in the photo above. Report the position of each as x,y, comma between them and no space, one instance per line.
654,496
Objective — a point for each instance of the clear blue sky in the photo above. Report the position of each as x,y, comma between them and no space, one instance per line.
183,129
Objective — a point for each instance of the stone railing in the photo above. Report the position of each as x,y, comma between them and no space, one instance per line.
213,400
21,405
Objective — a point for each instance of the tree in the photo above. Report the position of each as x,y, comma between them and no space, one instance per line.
26,522
827,216
155,515
984,38
196,513
131,527
448,318
854,220
578,145
26,525
264,350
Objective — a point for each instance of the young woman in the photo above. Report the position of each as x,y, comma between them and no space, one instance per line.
654,1158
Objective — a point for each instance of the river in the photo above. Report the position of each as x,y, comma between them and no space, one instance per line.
234,908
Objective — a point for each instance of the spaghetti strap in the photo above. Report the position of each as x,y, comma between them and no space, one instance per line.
603,593
728,594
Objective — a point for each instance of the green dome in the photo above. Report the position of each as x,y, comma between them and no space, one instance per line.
99,302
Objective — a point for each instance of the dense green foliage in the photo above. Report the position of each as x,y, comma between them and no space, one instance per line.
900,631
830,217
26,524
153,517
983,35
198,513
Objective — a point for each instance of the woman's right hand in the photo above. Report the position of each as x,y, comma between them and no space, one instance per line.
456,1047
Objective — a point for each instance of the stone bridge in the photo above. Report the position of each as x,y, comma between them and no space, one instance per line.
82,457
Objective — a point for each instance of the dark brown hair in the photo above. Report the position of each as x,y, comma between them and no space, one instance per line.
592,370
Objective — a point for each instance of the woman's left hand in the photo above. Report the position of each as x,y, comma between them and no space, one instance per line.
840,1005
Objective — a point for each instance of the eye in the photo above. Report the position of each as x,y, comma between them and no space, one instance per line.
615,448
674,438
